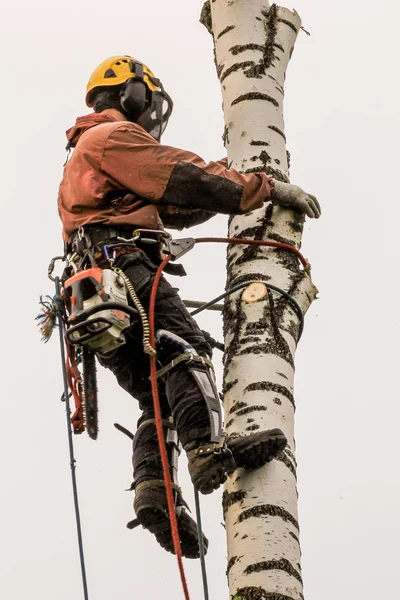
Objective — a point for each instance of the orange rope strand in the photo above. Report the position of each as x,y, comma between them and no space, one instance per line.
160,433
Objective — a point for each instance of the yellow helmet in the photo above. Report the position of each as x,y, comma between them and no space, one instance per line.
116,71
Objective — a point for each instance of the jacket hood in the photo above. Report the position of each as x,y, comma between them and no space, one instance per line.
87,122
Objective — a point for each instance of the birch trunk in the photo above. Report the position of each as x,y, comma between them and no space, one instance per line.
253,44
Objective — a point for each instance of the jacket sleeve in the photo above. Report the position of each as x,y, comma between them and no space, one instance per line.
181,218
168,176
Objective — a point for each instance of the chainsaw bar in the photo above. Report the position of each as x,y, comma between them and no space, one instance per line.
89,392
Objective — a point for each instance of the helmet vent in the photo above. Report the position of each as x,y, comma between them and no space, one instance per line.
109,73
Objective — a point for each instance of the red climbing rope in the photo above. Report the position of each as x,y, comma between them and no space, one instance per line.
160,432
154,385
250,242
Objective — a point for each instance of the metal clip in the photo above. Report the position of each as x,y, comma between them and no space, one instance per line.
51,266
178,248
105,250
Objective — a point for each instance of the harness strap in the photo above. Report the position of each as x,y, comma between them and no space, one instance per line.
185,357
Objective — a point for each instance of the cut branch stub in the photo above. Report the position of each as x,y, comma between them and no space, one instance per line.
254,292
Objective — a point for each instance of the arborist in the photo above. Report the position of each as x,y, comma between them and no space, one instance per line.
120,178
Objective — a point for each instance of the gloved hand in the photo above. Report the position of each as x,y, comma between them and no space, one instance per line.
292,196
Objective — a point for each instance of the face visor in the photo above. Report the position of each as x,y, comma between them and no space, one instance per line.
155,118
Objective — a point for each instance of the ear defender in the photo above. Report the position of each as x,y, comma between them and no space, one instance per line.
133,97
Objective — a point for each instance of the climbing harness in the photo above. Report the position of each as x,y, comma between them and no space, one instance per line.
98,314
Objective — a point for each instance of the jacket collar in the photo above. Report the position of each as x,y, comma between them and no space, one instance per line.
88,121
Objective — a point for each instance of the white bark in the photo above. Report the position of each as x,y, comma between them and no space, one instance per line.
253,44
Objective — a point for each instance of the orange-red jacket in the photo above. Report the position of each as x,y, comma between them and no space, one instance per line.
118,175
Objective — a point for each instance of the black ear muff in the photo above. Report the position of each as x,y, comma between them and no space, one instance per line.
133,97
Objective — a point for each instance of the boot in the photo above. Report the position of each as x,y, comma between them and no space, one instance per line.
150,502
210,464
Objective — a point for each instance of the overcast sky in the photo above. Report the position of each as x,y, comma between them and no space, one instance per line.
342,125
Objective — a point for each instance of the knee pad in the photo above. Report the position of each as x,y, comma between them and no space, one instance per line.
202,372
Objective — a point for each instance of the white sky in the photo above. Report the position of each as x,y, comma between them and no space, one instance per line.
342,125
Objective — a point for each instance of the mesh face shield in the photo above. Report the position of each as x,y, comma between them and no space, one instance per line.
155,118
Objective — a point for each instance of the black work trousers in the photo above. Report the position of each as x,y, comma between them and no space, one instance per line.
179,394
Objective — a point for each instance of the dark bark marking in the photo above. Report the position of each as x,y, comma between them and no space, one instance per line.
282,375
280,565
277,130
288,159
268,386
250,420
268,510
269,347
230,422
275,173
256,327
270,25
259,143
231,562
250,409
219,67
226,30
294,536
236,67
295,226
237,406
288,463
281,346
289,24
252,252
250,339
234,321
205,16
279,47
291,262
258,593
252,428
277,401
255,96
225,135
229,386
264,157
290,454
242,48
277,161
